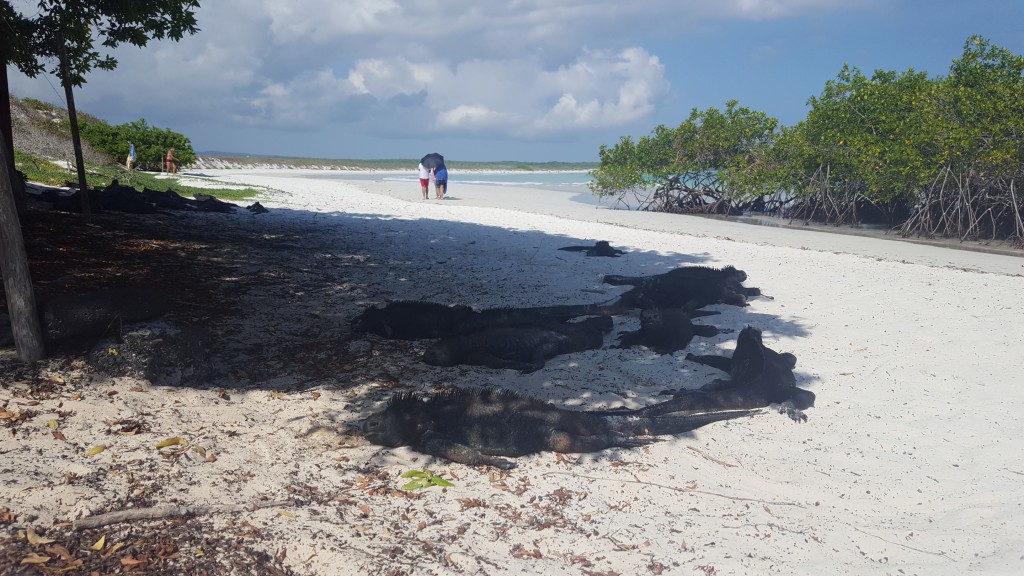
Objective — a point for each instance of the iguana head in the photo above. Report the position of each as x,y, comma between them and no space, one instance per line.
385,430
753,363
739,275
748,358
396,425
373,320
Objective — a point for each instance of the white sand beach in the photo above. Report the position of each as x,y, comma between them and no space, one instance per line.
911,461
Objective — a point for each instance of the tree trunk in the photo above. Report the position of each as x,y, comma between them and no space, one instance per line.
7,130
21,300
83,188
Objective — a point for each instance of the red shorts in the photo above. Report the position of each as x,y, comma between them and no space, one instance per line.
424,181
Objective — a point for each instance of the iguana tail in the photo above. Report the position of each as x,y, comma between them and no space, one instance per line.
671,423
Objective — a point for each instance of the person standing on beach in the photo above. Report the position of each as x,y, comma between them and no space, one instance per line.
441,181
172,168
424,180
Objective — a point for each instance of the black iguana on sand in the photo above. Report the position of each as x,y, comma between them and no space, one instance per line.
487,426
522,347
600,248
689,287
758,378
666,330
412,320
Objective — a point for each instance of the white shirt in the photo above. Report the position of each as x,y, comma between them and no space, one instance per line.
424,173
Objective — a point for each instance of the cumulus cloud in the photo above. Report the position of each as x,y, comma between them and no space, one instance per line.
521,70
517,68
520,97
597,90
474,117
325,20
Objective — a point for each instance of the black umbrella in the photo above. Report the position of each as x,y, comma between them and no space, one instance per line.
432,160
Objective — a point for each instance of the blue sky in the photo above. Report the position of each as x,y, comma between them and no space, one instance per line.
531,80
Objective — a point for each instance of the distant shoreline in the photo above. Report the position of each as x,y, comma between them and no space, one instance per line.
393,165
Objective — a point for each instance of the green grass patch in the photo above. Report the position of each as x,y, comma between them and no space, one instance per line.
43,171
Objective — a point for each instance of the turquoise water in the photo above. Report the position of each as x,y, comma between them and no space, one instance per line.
561,181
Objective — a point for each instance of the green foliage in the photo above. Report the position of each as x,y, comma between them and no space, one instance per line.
423,479
45,106
630,167
46,172
872,136
734,145
903,139
711,152
952,148
72,29
981,106
15,42
40,169
151,143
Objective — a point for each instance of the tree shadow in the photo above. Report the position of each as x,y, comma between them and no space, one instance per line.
275,293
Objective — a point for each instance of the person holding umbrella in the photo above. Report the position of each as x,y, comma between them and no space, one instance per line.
434,162
441,180
424,180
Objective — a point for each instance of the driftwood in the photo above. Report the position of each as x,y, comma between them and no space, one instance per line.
160,512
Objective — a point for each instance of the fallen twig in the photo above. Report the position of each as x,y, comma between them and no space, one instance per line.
712,458
921,550
159,512
679,489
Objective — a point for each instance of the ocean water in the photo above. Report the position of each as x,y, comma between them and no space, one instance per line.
560,181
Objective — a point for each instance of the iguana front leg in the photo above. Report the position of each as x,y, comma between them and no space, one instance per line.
456,452
537,361
720,362
789,409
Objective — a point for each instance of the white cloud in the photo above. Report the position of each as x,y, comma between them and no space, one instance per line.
763,9
473,116
604,89
519,97
386,78
325,20
518,70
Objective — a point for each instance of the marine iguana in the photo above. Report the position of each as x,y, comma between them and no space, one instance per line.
666,330
78,316
522,347
758,377
414,320
696,272
689,287
600,248
487,426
